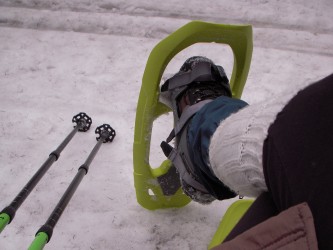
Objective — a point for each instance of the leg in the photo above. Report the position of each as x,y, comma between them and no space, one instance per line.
298,156
261,209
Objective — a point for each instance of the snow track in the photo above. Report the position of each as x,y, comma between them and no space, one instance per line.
309,31
295,15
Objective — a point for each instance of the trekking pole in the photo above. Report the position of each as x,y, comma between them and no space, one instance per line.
83,122
44,234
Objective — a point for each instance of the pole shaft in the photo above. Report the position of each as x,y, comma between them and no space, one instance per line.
19,199
24,193
62,204
60,207
61,147
91,156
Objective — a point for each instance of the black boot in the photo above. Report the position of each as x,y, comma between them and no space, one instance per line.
198,82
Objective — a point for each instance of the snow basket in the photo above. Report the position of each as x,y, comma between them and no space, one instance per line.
150,192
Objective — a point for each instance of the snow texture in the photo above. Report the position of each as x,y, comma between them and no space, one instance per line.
58,58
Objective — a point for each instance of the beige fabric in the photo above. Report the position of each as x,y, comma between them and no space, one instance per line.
292,229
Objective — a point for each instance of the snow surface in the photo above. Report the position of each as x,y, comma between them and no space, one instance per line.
58,58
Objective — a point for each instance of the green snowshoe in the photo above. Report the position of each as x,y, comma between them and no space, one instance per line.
160,187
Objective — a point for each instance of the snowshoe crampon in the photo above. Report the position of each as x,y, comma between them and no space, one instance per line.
160,187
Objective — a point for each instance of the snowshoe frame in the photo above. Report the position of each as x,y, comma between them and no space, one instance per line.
239,37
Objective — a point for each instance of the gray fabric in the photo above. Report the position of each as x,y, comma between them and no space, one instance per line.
202,72
182,162
188,112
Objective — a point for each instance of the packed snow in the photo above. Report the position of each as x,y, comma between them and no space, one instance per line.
59,58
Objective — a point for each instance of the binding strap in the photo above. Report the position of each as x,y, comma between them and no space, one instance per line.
188,112
182,162
180,158
201,72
